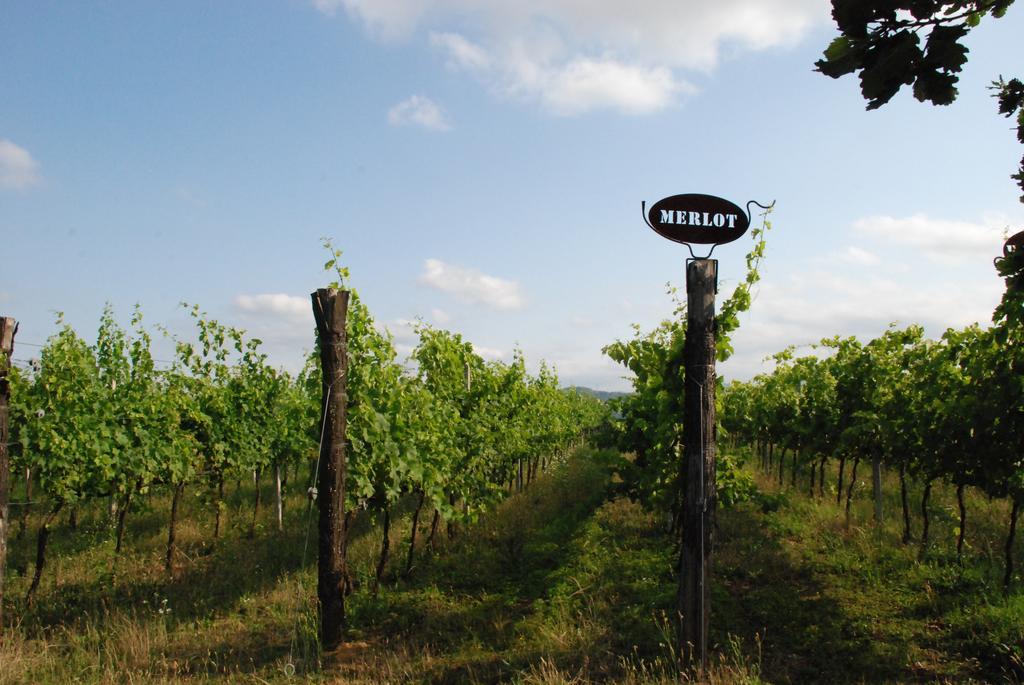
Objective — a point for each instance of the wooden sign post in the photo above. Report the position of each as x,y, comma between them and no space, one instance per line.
330,309
694,218
8,327
699,451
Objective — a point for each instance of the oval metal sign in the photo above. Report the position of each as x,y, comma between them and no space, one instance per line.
697,218
1013,243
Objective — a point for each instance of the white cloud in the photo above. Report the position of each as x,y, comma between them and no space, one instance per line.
904,288
462,53
279,305
682,33
489,353
18,170
564,87
327,6
537,71
586,84
440,316
472,286
421,111
284,323
941,240
387,19
402,330
572,56
804,308
579,361
857,256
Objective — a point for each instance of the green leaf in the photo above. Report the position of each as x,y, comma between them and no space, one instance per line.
838,48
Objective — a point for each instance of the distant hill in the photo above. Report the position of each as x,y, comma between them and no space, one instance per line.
603,395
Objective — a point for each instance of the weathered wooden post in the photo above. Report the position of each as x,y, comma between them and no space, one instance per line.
699,451
278,503
876,485
8,327
330,309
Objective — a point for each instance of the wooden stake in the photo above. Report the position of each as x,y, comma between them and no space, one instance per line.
1008,549
279,504
172,528
699,499
8,328
876,486
330,309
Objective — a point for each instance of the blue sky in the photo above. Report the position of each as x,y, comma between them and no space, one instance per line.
482,166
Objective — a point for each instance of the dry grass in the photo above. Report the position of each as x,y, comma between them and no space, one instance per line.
526,595
557,586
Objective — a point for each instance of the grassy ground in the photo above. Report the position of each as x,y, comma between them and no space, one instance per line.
564,583
855,603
